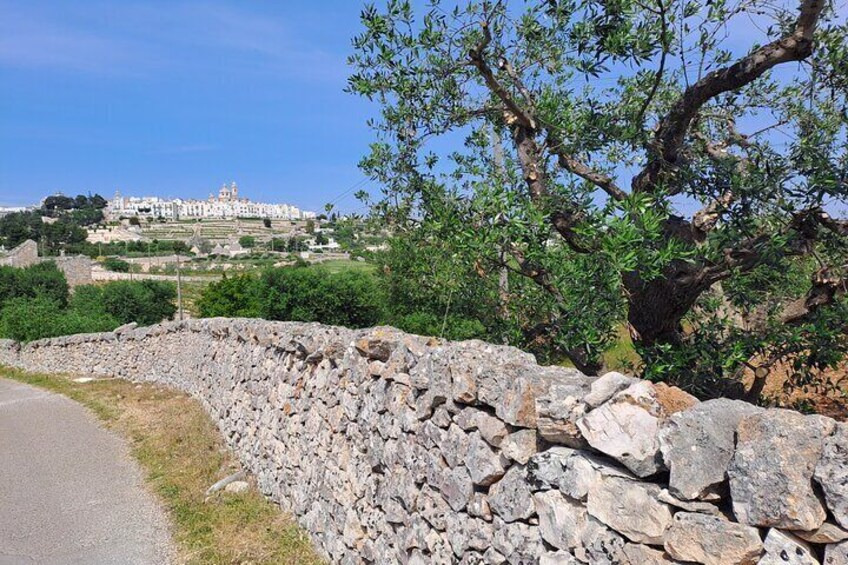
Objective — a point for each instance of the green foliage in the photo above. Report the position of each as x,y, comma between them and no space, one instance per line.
449,327
247,241
550,170
306,294
145,302
347,298
236,296
116,265
39,280
27,319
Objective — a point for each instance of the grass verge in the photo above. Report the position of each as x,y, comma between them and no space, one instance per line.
182,454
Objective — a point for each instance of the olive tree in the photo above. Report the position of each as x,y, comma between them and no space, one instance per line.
679,166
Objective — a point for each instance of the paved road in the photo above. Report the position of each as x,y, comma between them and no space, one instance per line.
69,491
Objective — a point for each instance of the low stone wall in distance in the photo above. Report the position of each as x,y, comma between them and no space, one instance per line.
393,448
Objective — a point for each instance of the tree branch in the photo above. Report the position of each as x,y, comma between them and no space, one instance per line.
478,60
668,141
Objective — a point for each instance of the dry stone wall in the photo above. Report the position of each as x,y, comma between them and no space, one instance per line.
392,448
77,268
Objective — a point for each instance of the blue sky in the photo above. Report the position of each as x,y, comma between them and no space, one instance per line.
174,98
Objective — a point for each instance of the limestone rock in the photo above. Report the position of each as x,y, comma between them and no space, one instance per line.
631,509
836,554
491,429
599,544
511,497
520,446
517,542
712,541
772,470
626,428
784,548
483,464
558,411
826,533
604,387
832,473
561,519
689,505
636,554
237,487
698,444
558,558
546,469
456,487
479,506
583,470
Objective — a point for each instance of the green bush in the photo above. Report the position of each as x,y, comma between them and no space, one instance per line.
144,302
236,296
116,265
305,294
450,327
349,298
40,280
27,319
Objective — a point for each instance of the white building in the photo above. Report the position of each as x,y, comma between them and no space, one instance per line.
225,206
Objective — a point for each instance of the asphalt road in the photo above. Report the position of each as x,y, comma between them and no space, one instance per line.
69,491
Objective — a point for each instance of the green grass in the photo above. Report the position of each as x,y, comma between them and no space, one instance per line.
338,265
182,454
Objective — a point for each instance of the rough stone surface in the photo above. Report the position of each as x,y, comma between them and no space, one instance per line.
511,498
772,470
626,428
836,554
826,533
712,541
636,554
393,448
558,558
605,386
698,444
832,473
630,508
785,548
561,519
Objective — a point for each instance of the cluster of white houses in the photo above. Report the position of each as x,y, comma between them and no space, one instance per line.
226,205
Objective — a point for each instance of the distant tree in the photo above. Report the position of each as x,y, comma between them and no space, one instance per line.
321,239
236,296
42,280
59,202
589,129
134,221
310,226
247,241
145,302
312,294
116,265
266,222
27,319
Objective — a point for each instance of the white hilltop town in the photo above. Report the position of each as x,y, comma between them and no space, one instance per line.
227,205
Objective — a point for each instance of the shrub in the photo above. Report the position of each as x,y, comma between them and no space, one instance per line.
144,302
116,265
27,319
236,296
40,280
348,298
450,327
